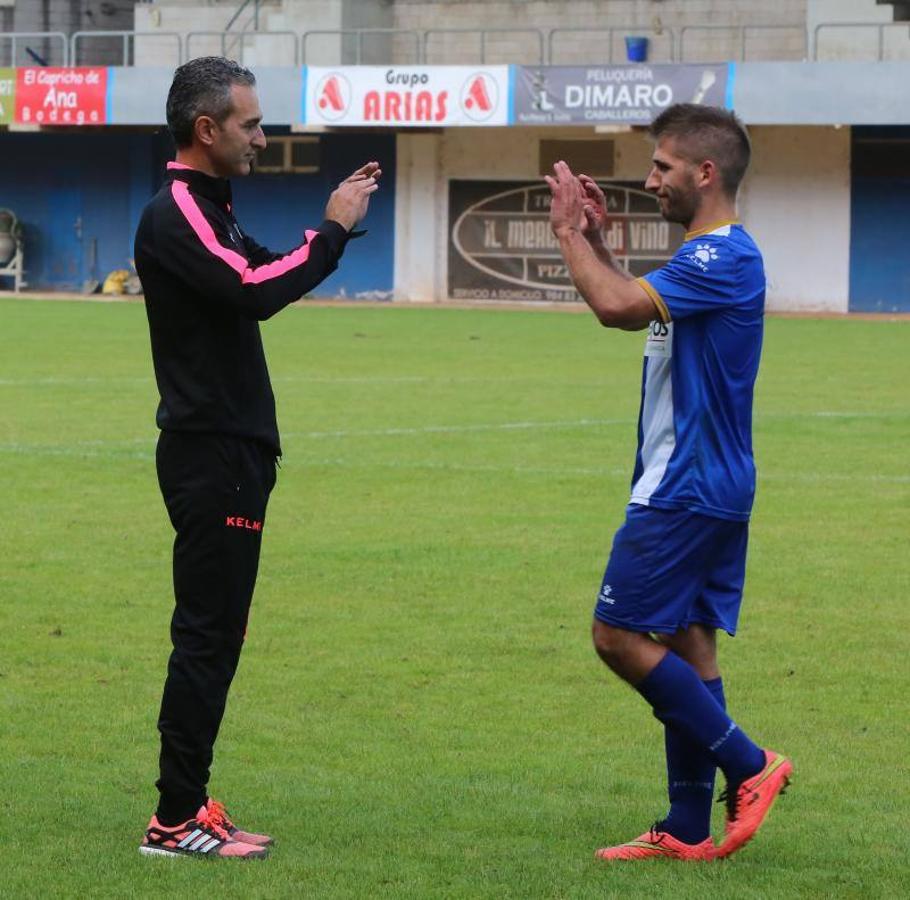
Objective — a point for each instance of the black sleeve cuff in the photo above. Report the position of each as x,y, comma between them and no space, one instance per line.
336,235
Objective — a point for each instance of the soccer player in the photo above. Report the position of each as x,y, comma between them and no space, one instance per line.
675,572
207,285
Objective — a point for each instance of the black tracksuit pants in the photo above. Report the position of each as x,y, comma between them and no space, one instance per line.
215,488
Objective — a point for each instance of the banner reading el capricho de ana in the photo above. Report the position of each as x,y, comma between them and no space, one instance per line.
501,246
61,96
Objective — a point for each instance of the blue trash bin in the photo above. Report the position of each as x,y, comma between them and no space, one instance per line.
636,48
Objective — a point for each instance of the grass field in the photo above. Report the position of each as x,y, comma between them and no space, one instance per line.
418,712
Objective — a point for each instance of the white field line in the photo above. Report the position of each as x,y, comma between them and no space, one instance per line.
102,450
77,380
424,429
440,429
134,448
459,429
148,380
75,447
624,473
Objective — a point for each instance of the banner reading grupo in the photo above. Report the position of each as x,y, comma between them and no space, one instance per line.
61,96
7,95
623,95
501,246
406,96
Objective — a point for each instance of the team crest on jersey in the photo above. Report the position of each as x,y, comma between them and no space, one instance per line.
604,596
703,255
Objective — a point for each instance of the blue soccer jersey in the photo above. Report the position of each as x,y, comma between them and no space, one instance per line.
701,359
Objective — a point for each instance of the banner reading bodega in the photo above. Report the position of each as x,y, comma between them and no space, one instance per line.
404,96
61,96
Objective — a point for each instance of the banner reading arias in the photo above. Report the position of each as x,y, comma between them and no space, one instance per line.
406,96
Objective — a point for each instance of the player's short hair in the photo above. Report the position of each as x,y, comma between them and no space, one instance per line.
708,132
202,87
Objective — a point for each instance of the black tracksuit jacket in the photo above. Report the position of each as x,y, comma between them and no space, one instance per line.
207,285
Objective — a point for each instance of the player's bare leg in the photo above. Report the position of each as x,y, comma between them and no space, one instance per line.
629,654
681,700
697,645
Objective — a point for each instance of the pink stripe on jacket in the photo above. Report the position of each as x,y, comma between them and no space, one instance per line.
248,275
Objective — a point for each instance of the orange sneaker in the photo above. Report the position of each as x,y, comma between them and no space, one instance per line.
200,836
657,844
219,815
751,802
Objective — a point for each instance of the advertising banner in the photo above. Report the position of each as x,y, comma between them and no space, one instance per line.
406,96
501,246
612,95
61,96
7,95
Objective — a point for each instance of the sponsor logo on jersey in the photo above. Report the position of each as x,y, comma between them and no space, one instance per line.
704,254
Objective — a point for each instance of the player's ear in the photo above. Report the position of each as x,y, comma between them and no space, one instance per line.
708,173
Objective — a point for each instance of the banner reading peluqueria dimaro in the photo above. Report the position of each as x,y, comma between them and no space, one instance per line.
617,95
501,246
406,96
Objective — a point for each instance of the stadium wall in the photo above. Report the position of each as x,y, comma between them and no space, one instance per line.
880,192
79,196
796,201
825,225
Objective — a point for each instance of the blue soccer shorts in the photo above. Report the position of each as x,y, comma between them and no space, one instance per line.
671,568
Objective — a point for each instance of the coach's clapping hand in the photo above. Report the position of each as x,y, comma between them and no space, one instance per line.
349,201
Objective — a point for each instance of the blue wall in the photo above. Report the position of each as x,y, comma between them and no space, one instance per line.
275,210
72,193
79,196
880,220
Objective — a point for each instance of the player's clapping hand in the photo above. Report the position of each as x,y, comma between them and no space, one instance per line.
567,199
594,211
348,203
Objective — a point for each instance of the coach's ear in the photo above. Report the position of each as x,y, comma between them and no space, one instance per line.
204,130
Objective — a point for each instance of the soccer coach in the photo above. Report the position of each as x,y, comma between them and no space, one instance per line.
207,285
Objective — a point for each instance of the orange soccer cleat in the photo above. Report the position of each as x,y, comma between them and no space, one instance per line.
657,844
219,815
201,836
748,805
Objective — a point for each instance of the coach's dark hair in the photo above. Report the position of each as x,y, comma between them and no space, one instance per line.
708,132
202,87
